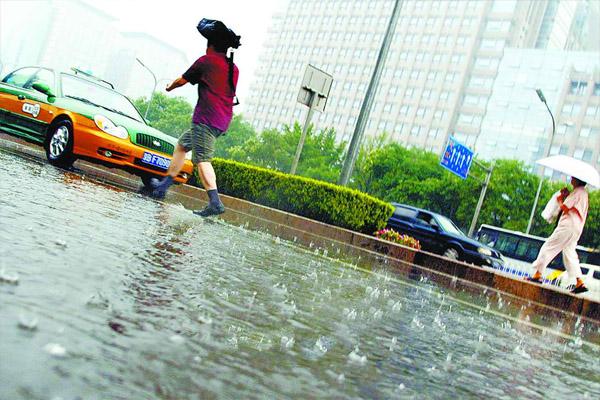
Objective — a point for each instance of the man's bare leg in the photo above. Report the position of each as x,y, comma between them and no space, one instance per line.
177,162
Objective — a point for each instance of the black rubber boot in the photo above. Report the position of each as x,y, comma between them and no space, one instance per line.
161,187
211,209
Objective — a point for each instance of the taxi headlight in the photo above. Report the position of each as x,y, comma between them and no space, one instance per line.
106,125
484,251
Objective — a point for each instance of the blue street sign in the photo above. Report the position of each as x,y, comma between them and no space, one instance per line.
457,158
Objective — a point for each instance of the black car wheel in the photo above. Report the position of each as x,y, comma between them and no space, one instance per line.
59,144
452,253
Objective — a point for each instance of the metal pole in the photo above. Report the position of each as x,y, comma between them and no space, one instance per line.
309,115
546,152
535,203
367,104
153,89
480,202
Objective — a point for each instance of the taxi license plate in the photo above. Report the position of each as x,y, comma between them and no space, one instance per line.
156,160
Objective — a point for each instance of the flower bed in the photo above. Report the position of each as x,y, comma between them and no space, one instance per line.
393,236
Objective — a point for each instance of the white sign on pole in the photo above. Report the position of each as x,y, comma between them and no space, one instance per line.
317,82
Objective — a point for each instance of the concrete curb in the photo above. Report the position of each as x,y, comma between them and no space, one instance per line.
542,304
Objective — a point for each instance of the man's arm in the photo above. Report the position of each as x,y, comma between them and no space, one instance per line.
176,83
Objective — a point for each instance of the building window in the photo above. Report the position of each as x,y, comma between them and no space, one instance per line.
578,153
490,44
399,129
434,132
571,109
504,6
585,132
404,110
450,76
465,119
578,87
456,59
415,130
564,129
426,94
596,89
472,100
409,92
440,114
592,111
498,26
421,112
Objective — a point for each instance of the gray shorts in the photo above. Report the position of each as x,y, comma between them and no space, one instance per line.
200,139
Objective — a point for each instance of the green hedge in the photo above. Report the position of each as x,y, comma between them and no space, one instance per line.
321,201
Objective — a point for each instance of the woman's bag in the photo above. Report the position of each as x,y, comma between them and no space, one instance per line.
550,212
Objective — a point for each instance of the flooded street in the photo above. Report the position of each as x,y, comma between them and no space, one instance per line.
106,294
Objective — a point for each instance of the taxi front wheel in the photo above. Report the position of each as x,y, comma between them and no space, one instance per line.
59,144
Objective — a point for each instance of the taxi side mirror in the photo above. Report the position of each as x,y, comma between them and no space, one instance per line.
43,88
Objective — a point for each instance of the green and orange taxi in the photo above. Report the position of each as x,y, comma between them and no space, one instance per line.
75,115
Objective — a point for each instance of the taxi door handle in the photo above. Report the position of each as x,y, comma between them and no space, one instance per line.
21,97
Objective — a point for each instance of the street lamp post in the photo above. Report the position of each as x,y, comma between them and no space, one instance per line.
547,151
367,104
153,89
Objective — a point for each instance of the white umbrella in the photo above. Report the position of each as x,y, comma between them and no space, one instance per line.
572,167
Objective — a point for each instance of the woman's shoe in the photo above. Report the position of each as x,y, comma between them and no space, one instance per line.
533,280
579,289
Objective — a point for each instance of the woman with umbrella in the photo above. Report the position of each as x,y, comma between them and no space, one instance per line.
574,209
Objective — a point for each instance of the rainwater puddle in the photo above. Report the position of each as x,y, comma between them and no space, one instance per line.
121,297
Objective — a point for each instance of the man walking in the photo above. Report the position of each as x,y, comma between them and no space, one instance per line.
216,76
574,207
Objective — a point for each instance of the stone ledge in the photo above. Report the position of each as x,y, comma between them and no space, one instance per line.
370,252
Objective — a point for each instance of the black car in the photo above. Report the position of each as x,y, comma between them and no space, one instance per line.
438,234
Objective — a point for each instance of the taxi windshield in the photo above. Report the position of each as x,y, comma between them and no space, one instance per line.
100,96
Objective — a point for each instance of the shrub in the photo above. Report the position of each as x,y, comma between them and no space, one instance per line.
321,201
393,236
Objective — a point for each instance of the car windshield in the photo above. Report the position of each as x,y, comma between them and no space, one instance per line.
98,95
448,226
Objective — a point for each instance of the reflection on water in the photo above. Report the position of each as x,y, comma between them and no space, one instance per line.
122,297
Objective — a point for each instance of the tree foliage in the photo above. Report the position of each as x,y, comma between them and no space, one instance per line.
411,176
321,156
386,170
171,115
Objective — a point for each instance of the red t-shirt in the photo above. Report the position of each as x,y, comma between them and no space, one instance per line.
215,95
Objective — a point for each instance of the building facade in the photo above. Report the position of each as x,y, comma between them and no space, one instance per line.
439,73
47,33
74,33
131,78
518,123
